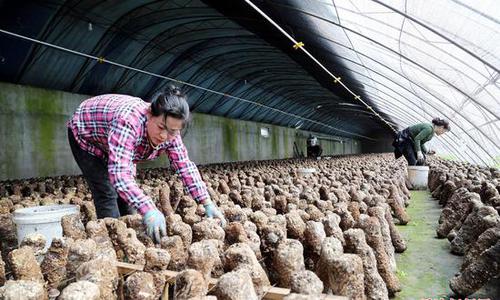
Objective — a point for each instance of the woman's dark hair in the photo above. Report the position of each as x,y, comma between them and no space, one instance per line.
441,122
170,102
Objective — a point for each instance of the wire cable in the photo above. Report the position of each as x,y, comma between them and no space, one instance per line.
300,45
101,59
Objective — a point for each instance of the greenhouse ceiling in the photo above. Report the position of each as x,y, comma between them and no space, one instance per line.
358,69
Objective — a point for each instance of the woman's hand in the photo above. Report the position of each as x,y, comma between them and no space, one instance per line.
213,211
156,227
420,157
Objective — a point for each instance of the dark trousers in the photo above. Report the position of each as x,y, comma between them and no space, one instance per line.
409,153
95,171
403,145
314,151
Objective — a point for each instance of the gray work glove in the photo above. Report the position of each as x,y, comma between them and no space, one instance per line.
213,211
420,158
156,227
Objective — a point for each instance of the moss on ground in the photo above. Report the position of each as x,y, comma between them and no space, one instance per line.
425,268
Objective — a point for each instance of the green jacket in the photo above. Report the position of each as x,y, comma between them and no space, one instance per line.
421,134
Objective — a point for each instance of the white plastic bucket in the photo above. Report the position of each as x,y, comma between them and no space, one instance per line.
305,171
418,176
45,220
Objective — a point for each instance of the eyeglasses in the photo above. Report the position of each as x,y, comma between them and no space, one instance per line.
172,132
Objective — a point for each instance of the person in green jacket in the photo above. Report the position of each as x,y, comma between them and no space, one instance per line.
410,141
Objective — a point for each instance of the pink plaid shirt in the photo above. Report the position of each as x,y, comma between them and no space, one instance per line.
113,127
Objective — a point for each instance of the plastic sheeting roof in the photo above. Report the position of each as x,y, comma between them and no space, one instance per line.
410,60
416,60
436,58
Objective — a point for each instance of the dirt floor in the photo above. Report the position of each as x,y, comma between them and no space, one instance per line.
425,268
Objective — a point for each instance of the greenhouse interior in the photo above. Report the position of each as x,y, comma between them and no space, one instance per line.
249,149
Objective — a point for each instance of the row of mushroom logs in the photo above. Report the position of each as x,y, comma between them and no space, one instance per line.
329,232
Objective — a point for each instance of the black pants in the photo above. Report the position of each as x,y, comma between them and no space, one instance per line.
409,153
314,151
403,145
95,171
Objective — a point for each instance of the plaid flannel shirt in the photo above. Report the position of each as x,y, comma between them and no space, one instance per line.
113,128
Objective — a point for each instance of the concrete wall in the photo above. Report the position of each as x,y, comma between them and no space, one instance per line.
32,132
33,139
332,145
383,144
